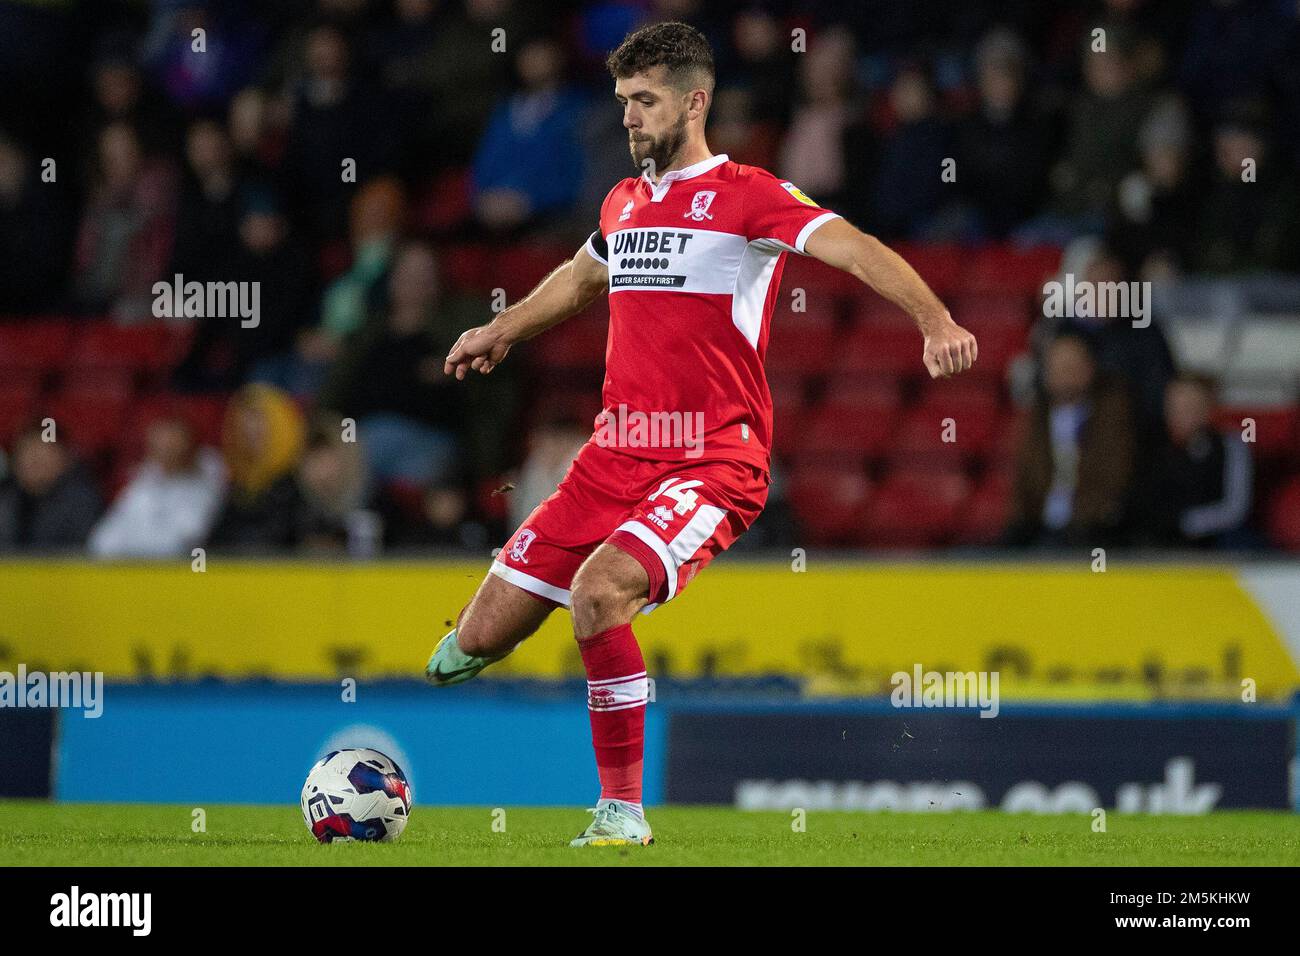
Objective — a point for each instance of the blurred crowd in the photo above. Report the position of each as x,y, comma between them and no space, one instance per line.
331,150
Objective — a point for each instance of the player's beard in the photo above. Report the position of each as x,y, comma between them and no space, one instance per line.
661,150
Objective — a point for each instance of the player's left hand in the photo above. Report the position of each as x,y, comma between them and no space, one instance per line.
479,348
949,349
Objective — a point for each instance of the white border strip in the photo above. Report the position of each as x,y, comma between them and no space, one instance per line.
657,545
529,583
810,228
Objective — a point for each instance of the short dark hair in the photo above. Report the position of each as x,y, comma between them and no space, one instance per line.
678,46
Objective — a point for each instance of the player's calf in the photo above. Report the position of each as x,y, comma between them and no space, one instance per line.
498,618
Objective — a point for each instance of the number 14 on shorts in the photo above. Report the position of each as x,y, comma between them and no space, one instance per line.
679,490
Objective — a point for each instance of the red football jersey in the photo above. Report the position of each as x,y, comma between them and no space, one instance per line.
694,268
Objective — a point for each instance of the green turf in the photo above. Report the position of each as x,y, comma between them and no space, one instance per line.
41,834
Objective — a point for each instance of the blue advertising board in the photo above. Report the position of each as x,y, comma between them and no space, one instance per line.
254,743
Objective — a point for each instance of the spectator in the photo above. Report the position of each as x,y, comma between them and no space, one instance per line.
444,521
908,187
334,487
223,353
1137,356
813,153
120,94
1003,145
262,443
529,162
207,227
258,147
1075,462
35,234
1101,145
1153,226
205,78
390,378
125,239
168,506
1200,490
551,450
335,118
377,215
49,502
1248,216
763,65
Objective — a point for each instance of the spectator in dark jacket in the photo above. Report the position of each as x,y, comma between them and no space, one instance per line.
1002,172
49,502
224,353
1075,460
390,379
1200,490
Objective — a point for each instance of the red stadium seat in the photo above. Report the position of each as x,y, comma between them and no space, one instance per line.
1277,430
801,344
939,264
518,269
892,349
444,204
829,503
847,425
106,345
788,410
1284,516
804,272
983,311
916,509
578,343
468,268
1007,269
91,421
34,346
870,308
17,406
984,516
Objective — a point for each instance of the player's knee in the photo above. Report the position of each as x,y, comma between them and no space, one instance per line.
597,600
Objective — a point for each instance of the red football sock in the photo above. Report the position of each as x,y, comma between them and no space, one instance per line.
617,690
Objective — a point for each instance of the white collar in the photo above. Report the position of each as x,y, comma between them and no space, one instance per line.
688,172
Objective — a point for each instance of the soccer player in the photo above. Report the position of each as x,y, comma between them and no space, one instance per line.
690,253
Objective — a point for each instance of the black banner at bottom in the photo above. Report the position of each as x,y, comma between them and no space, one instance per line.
1006,905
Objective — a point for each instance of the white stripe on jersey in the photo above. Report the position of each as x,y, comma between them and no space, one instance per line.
674,260
753,281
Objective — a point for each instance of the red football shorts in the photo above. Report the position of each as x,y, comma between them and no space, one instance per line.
674,517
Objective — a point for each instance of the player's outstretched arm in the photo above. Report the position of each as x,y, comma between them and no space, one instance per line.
949,348
565,292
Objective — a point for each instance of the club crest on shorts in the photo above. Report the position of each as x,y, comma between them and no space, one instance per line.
520,547
699,210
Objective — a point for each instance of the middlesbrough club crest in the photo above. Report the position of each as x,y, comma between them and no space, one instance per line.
518,549
700,206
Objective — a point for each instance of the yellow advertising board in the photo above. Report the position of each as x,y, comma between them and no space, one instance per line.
1049,630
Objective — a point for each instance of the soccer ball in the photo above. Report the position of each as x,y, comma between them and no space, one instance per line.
356,795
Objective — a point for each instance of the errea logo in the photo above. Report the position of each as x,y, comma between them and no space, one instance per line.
627,212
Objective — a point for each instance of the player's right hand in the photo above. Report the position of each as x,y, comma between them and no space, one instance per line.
481,349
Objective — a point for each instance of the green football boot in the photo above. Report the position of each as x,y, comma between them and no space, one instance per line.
450,665
614,826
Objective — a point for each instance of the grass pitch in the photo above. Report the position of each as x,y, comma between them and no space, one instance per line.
44,834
